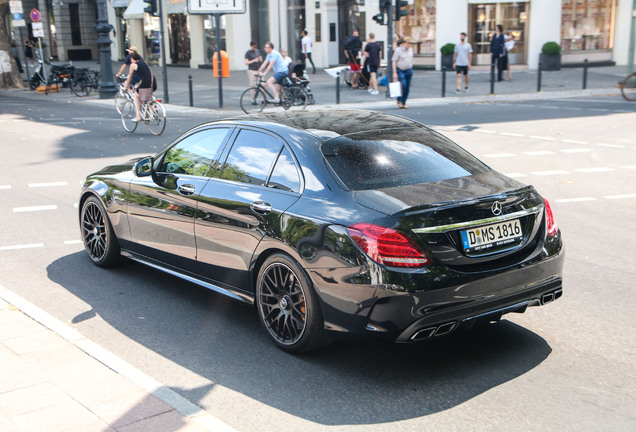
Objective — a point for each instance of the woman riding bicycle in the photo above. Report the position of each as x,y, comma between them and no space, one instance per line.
142,92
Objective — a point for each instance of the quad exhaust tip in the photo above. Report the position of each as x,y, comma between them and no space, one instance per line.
430,332
550,297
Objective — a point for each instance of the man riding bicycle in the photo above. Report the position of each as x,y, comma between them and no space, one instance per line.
273,61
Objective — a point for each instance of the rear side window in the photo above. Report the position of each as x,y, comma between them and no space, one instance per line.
285,175
251,158
398,157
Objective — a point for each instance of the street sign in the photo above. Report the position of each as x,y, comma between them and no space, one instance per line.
18,23
38,30
216,6
35,15
15,7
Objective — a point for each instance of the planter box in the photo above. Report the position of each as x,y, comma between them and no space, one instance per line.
550,62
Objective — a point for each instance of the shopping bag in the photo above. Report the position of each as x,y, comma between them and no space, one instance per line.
395,89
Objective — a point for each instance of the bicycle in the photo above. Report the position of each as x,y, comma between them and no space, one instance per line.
628,88
84,81
122,94
290,95
152,113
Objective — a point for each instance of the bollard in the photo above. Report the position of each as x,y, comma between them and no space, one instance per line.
444,81
584,74
190,90
492,77
338,88
539,77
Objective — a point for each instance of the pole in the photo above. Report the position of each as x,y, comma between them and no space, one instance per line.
217,20
539,76
107,88
584,74
24,52
338,88
164,70
632,35
492,75
190,90
443,81
389,44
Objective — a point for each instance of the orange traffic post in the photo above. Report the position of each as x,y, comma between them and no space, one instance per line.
225,65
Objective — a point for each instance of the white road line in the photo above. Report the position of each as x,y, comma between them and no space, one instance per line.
539,153
611,197
568,200
4,187
611,145
487,131
574,141
512,134
579,150
499,155
51,184
72,242
630,166
548,173
25,246
543,138
598,109
594,170
516,175
34,208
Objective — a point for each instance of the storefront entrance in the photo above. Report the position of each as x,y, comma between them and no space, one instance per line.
349,19
483,18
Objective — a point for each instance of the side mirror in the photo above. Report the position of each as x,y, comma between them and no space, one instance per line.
143,168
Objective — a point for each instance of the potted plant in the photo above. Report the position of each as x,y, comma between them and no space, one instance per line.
447,51
551,56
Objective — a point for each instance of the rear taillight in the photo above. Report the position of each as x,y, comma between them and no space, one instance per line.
550,222
387,246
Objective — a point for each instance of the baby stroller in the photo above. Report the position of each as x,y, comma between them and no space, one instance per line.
297,77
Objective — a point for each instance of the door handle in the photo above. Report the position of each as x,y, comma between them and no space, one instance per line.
261,207
187,189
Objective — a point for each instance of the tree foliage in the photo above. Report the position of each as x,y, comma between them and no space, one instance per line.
9,73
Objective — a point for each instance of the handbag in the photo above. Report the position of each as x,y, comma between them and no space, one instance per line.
395,89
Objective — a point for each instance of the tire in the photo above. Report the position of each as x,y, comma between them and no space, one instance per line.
288,307
120,99
98,236
297,97
78,87
250,106
156,118
34,82
628,88
128,115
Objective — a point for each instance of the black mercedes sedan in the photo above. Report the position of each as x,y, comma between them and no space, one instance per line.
341,223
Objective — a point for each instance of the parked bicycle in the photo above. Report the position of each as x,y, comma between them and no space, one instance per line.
84,81
628,87
123,95
255,99
152,113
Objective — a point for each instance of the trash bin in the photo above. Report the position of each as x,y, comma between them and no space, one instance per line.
225,65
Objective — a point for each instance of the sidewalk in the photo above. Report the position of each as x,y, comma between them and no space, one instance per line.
54,379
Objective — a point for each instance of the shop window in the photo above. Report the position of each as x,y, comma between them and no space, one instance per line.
318,27
419,25
76,31
587,24
210,36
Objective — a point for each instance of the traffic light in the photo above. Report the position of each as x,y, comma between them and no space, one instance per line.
151,7
379,18
384,5
400,9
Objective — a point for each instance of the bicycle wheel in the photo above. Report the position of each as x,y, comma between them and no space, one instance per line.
34,82
79,87
156,118
297,97
346,76
120,99
128,115
628,88
256,105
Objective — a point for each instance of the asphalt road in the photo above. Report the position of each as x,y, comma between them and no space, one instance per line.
567,366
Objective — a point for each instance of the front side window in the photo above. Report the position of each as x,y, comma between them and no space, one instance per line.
251,158
197,154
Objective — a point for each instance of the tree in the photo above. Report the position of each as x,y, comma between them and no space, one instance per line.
9,73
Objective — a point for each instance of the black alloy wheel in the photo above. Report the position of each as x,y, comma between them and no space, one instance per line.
288,307
97,234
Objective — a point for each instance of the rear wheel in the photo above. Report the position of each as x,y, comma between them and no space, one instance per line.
288,307
297,97
256,105
156,118
78,87
128,115
97,234
628,88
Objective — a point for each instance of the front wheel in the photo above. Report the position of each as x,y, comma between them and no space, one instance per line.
120,100
156,118
628,88
78,87
288,307
128,114
297,97
98,236
255,104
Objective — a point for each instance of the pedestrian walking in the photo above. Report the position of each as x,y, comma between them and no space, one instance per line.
462,59
497,48
306,45
371,62
403,69
253,60
28,50
352,47
509,45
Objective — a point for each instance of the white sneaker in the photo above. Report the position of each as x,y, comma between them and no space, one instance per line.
374,92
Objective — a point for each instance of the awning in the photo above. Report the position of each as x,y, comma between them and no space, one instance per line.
120,3
135,10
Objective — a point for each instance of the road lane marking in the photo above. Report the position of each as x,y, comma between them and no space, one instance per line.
50,184
575,150
34,208
543,138
4,187
539,153
610,145
569,141
569,200
548,173
25,246
594,170
516,175
512,134
612,197
72,242
487,131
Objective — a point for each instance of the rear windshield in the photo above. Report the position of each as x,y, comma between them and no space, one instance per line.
397,157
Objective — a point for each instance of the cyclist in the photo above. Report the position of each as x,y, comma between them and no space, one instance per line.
127,62
273,61
143,90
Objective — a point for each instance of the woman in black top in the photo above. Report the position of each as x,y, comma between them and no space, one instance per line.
142,92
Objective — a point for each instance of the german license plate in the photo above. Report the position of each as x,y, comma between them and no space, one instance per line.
491,236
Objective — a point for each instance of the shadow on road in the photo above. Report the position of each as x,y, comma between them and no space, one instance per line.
345,383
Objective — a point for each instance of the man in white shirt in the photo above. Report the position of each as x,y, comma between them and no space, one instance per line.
306,49
273,61
462,59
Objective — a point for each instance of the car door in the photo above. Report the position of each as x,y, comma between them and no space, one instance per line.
259,181
162,208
